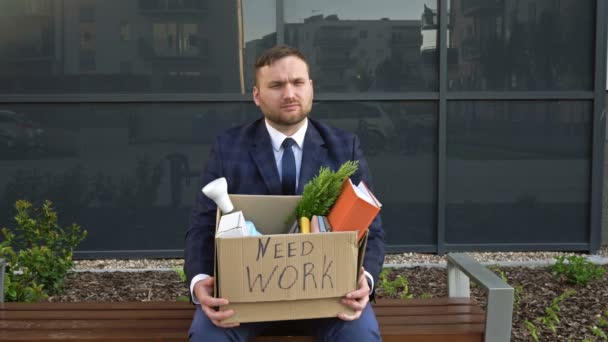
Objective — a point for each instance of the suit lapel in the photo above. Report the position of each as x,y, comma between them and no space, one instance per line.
263,156
313,157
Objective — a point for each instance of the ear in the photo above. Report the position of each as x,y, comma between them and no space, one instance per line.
256,95
312,89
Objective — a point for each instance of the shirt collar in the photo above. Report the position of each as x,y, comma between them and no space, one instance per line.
277,137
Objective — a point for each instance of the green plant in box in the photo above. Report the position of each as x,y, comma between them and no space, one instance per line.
321,192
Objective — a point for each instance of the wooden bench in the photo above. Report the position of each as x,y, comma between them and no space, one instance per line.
456,318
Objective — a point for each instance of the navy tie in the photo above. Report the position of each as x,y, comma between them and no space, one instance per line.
288,168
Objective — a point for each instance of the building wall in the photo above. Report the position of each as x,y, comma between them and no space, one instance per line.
118,104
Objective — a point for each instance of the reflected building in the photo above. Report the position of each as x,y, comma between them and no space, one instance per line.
32,49
253,49
359,55
158,46
519,45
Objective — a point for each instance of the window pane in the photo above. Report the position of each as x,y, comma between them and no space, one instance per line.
95,46
518,172
399,140
260,33
521,45
360,46
120,171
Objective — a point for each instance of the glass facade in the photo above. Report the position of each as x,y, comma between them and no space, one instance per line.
131,46
120,171
363,46
481,136
518,171
521,45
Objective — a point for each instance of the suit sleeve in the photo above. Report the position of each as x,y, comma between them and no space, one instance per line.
376,246
200,237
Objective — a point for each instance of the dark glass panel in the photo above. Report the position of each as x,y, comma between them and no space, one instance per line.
399,140
521,45
518,172
126,173
366,46
260,33
95,46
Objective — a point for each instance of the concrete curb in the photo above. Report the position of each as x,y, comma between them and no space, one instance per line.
596,259
126,270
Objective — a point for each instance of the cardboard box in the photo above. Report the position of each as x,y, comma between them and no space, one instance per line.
280,276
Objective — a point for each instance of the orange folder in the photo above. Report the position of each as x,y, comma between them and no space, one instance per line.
355,208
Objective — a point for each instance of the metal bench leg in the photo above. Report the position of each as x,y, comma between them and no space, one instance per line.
499,315
499,312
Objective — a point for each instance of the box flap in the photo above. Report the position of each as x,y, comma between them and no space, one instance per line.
268,213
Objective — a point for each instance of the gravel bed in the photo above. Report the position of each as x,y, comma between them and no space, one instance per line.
391,259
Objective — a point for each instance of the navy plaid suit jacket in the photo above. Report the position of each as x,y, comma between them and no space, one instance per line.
244,156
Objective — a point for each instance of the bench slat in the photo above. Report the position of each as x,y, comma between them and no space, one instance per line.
435,319
173,305
94,324
424,302
96,335
96,306
98,315
426,320
427,310
187,313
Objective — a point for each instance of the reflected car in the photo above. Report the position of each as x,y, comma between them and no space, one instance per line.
367,119
17,131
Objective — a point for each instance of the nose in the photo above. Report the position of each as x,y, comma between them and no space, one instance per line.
288,92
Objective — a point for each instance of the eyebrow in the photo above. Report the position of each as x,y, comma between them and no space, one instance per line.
281,83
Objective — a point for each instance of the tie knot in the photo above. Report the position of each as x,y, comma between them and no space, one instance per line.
288,142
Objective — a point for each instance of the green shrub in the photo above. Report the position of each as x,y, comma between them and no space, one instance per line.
576,269
38,253
391,287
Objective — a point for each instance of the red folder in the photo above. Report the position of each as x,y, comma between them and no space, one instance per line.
355,208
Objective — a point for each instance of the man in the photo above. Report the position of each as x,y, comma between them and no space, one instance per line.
254,160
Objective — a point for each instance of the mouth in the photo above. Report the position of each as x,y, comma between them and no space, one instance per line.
290,106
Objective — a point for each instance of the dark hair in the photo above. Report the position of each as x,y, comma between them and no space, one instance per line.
275,53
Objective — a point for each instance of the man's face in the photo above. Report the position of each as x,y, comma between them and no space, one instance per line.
284,93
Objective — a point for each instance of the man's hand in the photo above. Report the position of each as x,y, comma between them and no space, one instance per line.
356,300
203,290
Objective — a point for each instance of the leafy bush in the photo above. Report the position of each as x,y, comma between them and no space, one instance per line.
391,287
577,269
38,253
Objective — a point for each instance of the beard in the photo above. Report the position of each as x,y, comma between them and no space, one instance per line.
282,118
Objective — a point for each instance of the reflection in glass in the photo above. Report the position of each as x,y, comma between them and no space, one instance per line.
361,46
399,140
118,170
518,171
521,45
259,33
80,46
